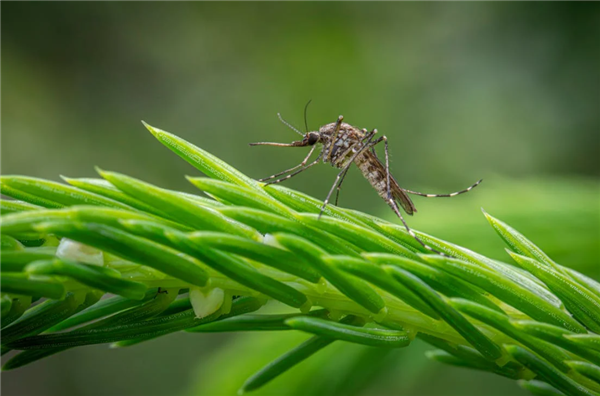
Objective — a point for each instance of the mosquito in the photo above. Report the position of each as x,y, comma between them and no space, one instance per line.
342,145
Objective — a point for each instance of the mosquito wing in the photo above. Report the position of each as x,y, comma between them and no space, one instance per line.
400,196
397,192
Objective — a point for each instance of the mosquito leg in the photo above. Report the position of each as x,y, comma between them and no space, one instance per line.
339,187
444,195
393,204
340,175
337,179
291,169
316,161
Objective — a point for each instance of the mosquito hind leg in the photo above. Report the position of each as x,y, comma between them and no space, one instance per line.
394,205
301,164
454,194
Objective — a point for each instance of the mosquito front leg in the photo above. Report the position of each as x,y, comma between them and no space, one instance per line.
454,194
316,161
392,202
339,187
291,169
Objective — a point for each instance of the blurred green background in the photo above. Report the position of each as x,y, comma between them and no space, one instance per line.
508,92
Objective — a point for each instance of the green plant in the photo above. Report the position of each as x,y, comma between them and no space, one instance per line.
176,261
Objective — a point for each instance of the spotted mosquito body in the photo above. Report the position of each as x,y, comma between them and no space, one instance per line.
342,145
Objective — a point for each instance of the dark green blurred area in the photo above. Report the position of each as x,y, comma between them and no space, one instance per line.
508,92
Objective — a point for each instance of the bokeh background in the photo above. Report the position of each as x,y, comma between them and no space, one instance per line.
508,92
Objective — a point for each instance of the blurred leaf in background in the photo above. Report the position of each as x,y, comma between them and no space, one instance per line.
339,369
507,92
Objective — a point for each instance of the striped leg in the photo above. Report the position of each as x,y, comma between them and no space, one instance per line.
454,194
291,169
315,162
394,205
339,187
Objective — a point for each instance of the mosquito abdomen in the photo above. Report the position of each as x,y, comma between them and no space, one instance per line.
373,171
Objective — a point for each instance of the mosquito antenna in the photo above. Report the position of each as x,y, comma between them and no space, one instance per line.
289,125
305,121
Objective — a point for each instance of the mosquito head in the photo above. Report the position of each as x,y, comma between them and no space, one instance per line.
312,138
308,139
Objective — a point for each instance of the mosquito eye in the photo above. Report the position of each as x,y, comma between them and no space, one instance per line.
313,138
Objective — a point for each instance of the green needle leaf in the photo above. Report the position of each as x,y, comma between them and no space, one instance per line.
146,328
150,230
24,222
17,260
293,357
588,340
6,303
241,272
502,322
547,372
102,308
378,277
202,160
7,207
361,236
131,247
557,336
479,364
373,337
584,304
587,369
252,323
17,308
41,317
240,196
439,280
56,192
148,310
12,192
18,283
356,289
517,241
10,244
177,207
104,188
304,203
516,275
272,256
539,388
91,275
465,328
268,223
506,290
